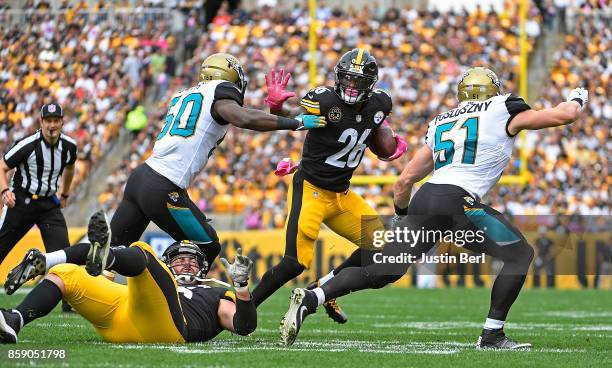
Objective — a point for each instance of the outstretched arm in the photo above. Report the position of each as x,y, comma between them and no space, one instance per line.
241,317
564,113
290,112
242,117
417,169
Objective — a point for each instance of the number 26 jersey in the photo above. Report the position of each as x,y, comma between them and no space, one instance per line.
331,154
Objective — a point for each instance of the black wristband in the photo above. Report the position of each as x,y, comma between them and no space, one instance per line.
4,191
578,100
284,123
400,211
241,284
65,196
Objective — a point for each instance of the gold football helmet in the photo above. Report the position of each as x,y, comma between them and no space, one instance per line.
225,67
478,84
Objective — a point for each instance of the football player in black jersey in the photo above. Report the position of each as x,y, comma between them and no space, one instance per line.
196,123
319,192
450,201
163,301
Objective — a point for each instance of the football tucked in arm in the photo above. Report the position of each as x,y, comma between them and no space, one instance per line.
383,143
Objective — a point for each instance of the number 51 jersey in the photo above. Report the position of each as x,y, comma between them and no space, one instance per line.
471,144
191,131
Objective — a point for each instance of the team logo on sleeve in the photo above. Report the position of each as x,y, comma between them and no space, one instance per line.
378,117
469,200
174,196
334,114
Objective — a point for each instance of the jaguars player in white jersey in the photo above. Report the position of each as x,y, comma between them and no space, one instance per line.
467,148
197,121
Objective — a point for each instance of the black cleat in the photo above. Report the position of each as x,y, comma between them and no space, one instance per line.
331,306
99,235
32,265
497,340
67,308
10,324
302,303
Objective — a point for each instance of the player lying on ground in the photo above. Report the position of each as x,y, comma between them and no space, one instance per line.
468,148
161,303
319,191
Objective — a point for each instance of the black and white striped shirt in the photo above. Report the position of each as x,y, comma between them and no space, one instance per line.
38,164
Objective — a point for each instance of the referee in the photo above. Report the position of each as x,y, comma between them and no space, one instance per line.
39,160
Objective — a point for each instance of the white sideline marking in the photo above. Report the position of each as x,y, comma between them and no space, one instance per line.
571,314
53,325
234,346
380,347
450,325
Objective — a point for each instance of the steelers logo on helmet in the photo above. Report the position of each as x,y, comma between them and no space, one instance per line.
356,75
178,254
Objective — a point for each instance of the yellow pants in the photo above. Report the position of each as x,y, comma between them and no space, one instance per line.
145,310
347,214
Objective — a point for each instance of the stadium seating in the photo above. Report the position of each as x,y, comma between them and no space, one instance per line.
417,68
93,69
570,166
421,53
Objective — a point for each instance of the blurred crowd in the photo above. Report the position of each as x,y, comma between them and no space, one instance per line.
421,54
95,71
570,166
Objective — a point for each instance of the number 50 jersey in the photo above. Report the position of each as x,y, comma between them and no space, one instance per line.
471,144
191,131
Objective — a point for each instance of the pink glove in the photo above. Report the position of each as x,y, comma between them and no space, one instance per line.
400,148
285,167
277,94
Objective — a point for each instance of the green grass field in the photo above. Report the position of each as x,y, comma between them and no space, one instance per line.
391,327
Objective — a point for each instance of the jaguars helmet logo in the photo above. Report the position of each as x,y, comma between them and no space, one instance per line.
174,196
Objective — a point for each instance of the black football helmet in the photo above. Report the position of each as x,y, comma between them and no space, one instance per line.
186,248
356,75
